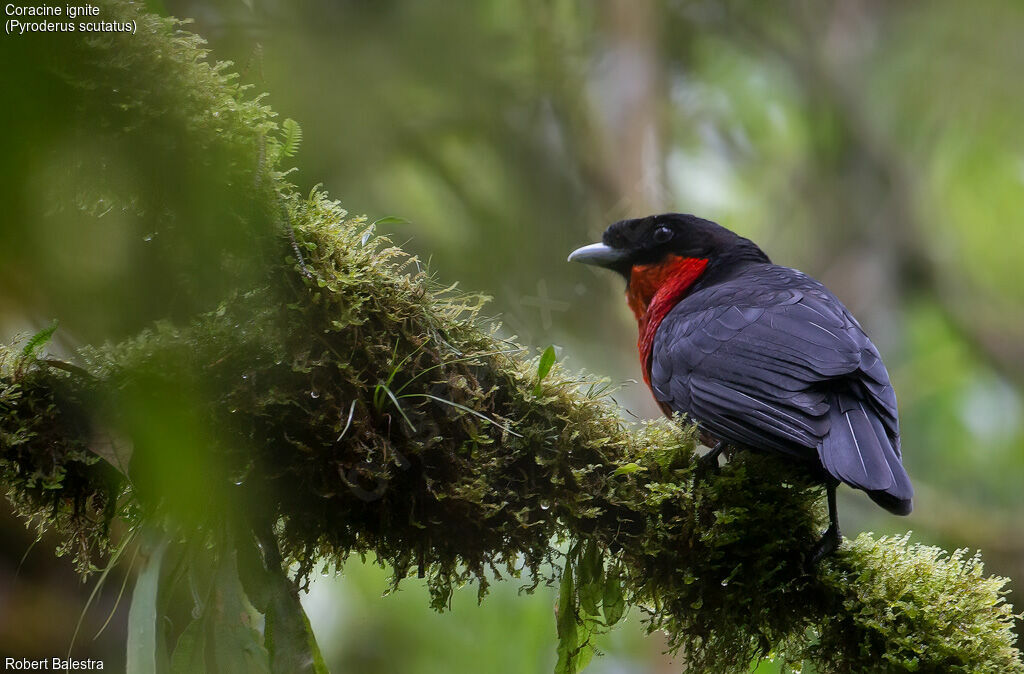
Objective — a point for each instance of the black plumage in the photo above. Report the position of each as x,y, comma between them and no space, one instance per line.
768,358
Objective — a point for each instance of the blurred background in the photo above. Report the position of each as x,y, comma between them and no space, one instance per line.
874,144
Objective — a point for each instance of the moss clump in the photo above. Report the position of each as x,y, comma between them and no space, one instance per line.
916,608
47,469
722,561
351,406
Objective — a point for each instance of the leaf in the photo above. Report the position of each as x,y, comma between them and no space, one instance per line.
568,635
142,615
389,220
613,604
113,447
627,469
591,578
128,538
237,645
222,637
188,656
547,360
585,653
292,137
398,405
468,410
257,583
288,636
319,666
38,341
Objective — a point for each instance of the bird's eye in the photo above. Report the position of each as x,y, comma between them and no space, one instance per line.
662,234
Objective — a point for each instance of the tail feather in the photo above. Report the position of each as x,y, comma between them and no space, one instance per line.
899,497
859,452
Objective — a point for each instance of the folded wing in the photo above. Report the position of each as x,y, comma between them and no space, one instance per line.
777,362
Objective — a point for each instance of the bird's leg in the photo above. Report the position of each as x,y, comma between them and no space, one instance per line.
710,460
830,540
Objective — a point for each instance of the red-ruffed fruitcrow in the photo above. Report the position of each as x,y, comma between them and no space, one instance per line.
762,357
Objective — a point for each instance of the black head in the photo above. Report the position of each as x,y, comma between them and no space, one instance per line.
646,241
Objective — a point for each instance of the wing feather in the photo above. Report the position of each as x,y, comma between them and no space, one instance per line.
777,362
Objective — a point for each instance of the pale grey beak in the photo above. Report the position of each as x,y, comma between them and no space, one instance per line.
598,254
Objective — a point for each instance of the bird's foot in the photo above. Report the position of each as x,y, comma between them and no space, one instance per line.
709,462
826,545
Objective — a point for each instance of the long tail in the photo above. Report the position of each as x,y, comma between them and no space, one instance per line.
859,452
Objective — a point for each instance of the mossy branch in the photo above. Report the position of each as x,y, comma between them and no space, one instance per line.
361,409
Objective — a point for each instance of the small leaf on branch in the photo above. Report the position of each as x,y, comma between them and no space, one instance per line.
389,220
547,360
627,469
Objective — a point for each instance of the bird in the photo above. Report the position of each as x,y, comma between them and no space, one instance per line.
763,357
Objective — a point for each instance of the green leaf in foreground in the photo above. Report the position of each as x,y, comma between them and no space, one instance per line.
188,657
142,616
237,645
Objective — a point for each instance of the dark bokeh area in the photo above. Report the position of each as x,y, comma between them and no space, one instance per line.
873,144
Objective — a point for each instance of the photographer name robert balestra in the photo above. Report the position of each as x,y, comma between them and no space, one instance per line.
51,665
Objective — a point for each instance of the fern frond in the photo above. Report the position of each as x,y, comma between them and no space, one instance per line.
292,137
38,341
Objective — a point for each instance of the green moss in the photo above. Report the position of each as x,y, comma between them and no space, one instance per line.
903,607
360,409
47,469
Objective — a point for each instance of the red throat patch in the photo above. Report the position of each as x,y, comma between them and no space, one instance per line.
653,290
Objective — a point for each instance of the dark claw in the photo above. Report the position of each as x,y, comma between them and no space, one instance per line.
830,540
826,545
709,462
